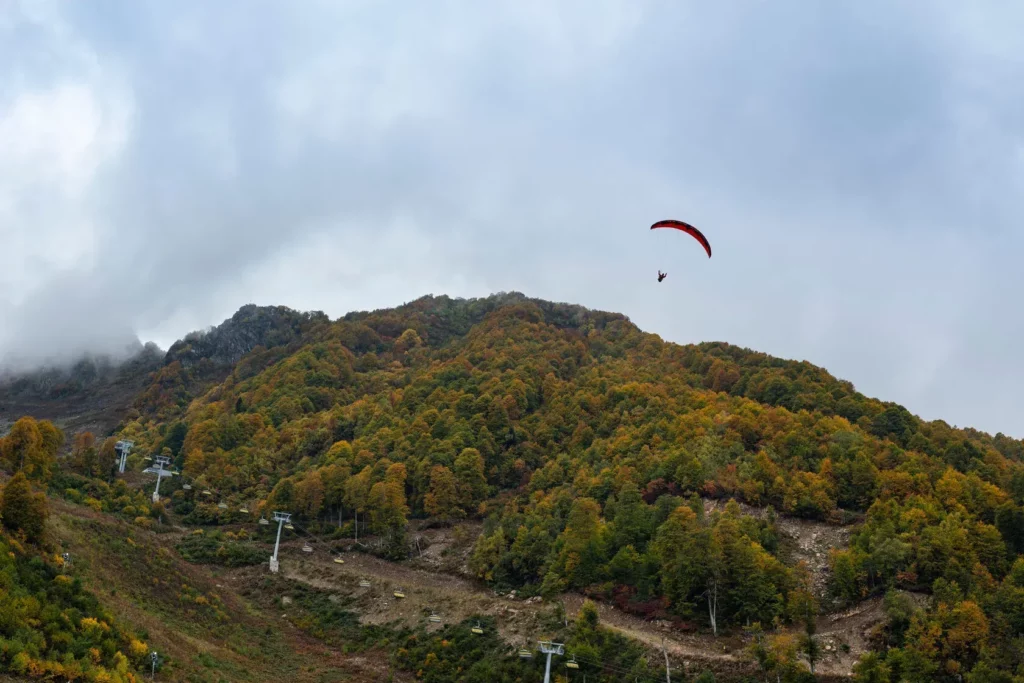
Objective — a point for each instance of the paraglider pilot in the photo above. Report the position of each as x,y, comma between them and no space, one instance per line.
661,276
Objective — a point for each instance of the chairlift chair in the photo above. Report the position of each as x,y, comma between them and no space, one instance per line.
307,548
399,593
264,521
207,492
478,629
244,510
339,560
571,664
363,583
289,526
434,618
187,487
525,653
222,506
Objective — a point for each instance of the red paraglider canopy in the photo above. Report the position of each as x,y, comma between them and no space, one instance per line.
688,229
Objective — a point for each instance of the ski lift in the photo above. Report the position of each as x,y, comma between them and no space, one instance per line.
571,664
187,487
363,583
223,506
244,510
289,526
307,548
525,653
478,629
399,593
206,492
339,560
434,619
264,521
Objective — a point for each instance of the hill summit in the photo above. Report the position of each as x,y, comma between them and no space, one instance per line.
670,480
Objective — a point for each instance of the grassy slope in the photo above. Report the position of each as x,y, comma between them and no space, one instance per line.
138,575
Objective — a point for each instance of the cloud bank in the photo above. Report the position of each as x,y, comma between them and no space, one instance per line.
858,168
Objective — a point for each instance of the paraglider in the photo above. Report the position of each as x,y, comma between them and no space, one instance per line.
688,229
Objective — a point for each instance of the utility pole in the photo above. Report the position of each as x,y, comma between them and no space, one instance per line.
668,678
122,447
281,518
158,468
549,648
153,657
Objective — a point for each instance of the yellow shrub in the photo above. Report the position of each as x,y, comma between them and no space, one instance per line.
20,663
137,648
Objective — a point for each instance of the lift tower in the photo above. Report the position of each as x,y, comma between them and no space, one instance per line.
549,648
281,518
122,447
159,469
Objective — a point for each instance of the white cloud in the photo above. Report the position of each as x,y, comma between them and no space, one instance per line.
63,121
54,143
857,168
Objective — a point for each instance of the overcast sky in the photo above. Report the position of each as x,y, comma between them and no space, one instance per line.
857,166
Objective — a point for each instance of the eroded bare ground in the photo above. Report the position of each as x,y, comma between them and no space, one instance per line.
803,540
437,579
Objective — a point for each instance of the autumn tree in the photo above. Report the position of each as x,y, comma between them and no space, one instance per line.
388,509
22,510
309,496
442,501
84,454
106,460
471,482
31,447
357,494
334,477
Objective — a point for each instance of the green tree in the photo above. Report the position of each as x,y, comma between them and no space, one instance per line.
631,524
388,511
682,548
581,549
471,481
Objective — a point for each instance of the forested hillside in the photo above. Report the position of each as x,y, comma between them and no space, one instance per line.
586,446
592,457
50,625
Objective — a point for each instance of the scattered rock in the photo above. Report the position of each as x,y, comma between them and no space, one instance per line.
286,600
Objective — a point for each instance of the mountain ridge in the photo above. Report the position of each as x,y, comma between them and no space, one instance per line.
574,453
272,326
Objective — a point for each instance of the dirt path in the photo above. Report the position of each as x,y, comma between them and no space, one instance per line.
436,581
688,646
843,636
454,599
